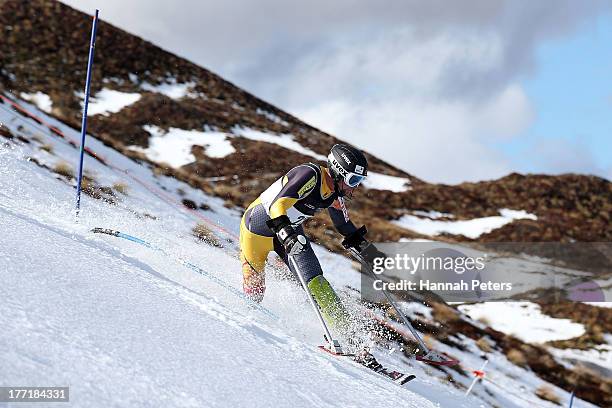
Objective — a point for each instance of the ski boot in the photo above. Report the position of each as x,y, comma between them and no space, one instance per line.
366,359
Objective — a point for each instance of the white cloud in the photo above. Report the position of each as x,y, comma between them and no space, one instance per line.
397,63
433,142
505,116
400,112
565,155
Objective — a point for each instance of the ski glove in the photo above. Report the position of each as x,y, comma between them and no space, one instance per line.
356,240
364,247
293,242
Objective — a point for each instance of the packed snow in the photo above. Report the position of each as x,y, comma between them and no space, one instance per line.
607,305
109,101
599,357
174,146
380,181
171,89
524,320
271,116
40,99
127,325
434,215
470,228
284,140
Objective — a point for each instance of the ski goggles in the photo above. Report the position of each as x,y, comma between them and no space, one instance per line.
353,180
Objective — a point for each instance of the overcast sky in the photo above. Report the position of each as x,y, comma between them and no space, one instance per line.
447,90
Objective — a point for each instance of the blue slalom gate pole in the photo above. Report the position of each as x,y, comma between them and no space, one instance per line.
92,46
571,403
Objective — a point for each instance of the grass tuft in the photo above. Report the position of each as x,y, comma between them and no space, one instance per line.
484,345
121,188
47,148
204,234
546,393
517,357
64,169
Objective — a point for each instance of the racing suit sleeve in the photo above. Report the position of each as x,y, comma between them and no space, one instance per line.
339,216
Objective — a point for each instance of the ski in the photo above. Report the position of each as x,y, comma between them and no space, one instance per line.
393,375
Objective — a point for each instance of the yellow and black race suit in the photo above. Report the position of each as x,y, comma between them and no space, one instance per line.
299,195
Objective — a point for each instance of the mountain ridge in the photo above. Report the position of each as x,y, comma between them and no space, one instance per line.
44,49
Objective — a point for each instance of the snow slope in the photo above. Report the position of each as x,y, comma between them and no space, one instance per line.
124,325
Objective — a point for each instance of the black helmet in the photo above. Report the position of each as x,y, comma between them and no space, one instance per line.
348,164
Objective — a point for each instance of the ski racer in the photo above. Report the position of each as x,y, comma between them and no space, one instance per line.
273,222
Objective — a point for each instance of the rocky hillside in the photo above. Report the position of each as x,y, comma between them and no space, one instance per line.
43,51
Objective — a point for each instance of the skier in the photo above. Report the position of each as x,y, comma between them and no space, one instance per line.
273,223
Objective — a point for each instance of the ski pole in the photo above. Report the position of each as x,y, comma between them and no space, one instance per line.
392,303
431,356
335,345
